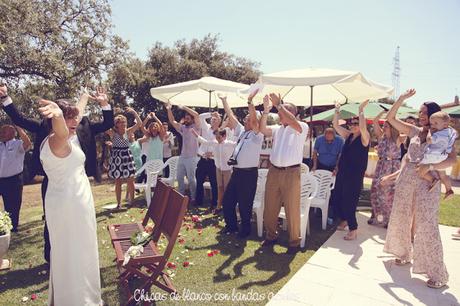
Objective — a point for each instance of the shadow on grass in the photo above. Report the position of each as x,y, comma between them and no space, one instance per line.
22,278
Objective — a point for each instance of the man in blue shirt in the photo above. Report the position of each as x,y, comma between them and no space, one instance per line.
327,151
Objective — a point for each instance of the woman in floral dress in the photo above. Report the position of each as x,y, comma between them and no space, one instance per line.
413,198
389,152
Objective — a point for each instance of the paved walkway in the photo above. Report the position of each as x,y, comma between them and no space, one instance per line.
358,273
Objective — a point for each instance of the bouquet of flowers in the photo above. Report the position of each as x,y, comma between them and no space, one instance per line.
138,240
5,223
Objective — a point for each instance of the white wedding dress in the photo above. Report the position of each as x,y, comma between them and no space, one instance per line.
70,215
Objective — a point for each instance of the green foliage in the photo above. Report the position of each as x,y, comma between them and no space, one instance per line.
132,79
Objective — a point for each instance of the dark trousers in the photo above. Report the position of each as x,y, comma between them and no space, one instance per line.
206,167
241,190
141,178
345,196
11,192
46,235
166,170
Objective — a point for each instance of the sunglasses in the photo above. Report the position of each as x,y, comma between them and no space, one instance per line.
354,123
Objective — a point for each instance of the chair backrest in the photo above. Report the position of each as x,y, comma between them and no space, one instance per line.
304,168
172,219
325,183
308,189
261,180
172,163
158,204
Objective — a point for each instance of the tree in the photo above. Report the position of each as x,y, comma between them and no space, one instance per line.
62,43
133,78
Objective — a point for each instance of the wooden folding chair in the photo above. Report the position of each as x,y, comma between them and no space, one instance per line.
148,267
154,212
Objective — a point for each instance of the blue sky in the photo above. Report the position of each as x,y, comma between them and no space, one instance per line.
349,35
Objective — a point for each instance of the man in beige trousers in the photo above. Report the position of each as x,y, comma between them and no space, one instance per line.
283,179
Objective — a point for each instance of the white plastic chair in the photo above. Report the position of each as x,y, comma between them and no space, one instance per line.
304,169
326,182
172,163
152,169
308,189
259,199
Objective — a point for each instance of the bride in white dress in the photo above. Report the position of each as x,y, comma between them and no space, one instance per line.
70,214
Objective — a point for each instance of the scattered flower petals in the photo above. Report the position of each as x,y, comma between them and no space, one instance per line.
196,218
185,264
210,253
25,299
171,265
216,252
33,297
181,240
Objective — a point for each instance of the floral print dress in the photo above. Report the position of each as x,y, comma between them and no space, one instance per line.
412,197
382,196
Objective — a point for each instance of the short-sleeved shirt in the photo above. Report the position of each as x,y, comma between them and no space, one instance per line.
189,141
442,141
328,153
11,158
287,149
248,148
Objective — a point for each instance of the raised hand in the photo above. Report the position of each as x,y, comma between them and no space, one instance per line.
49,109
215,114
222,96
409,93
152,115
337,106
253,94
276,99
101,96
168,105
267,105
363,105
130,110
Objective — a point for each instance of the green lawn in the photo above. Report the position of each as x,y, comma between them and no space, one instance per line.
239,265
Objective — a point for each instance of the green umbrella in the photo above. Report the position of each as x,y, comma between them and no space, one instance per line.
453,111
351,110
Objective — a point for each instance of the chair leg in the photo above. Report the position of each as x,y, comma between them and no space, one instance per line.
260,223
303,230
324,218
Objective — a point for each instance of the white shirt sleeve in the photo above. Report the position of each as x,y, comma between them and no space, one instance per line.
106,107
7,102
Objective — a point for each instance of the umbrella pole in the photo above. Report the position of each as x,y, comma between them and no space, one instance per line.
311,120
210,101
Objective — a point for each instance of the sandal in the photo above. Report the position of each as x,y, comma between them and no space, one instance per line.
401,262
434,284
449,194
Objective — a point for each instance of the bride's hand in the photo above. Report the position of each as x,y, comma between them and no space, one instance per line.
49,109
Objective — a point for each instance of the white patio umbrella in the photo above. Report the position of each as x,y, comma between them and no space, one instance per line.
315,86
201,93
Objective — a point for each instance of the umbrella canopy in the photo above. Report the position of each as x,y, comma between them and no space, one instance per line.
201,93
313,86
453,111
351,110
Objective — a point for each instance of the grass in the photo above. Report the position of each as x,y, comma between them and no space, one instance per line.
240,267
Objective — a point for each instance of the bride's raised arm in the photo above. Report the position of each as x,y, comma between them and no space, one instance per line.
58,140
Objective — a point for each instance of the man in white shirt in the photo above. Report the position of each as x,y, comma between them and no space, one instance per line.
168,144
206,166
283,178
12,153
241,188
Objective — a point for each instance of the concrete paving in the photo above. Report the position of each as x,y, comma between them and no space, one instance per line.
359,273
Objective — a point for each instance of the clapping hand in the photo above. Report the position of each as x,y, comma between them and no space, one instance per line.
276,99
49,109
267,105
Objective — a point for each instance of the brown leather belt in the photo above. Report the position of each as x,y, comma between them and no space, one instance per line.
285,168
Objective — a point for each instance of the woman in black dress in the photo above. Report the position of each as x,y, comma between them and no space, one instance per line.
351,168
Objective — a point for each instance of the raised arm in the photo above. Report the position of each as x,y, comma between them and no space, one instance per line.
378,131
18,119
107,112
365,137
138,120
144,124
252,112
83,101
171,119
289,118
26,143
232,120
263,120
401,126
201,139
335,123
194,114
58,141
